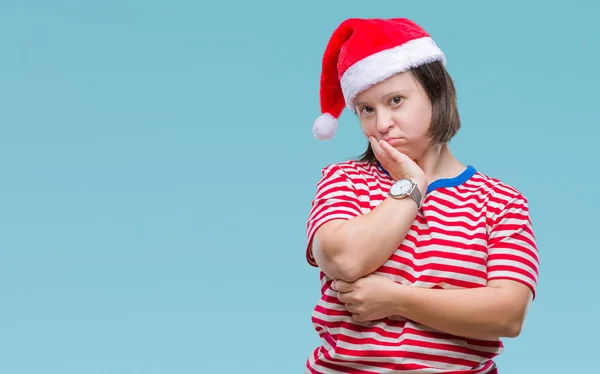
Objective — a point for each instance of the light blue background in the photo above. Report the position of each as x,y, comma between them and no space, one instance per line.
157,167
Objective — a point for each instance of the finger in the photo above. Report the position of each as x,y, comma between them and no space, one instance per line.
342,286
392,152
343,297
358,317
351,308
347,297
379,153
373,144
400,159
373,141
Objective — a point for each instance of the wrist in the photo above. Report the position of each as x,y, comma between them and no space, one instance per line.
400,300
414,188
422,184
420,181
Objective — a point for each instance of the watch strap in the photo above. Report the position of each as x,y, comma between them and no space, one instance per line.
416,195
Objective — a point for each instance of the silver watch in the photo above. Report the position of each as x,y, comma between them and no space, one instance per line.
405,187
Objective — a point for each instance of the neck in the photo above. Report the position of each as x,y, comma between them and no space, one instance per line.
439,163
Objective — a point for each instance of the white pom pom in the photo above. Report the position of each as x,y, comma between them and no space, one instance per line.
325,126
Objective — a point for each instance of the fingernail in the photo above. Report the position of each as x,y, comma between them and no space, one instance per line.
333,286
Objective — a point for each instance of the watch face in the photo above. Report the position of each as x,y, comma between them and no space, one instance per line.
401,187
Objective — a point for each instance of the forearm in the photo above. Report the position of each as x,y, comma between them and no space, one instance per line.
478,313
359,246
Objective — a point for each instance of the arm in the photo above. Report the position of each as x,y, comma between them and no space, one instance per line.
499,309
491,312
351,249
488,312
348,245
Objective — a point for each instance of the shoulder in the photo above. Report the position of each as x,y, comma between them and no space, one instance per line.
495,188
352,170
502,200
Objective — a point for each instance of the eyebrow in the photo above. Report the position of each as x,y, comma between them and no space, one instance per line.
389,94
395,93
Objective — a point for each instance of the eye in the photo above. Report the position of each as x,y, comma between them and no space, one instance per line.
366,110
396,100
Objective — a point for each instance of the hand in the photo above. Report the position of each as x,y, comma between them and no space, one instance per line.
397,163
370,298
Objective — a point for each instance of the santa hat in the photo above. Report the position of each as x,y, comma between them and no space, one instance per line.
363,52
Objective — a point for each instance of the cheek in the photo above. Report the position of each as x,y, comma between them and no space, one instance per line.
416,124
368,128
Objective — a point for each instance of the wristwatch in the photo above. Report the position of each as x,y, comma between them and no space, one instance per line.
405,187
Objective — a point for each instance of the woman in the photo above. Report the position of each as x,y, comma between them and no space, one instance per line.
425,262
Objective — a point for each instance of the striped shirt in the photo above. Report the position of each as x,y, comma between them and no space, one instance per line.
471,229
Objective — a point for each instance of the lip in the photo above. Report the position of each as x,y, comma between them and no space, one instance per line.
391,141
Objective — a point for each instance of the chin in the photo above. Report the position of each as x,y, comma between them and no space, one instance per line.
405,149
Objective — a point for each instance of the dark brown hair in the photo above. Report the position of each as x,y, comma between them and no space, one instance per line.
445,121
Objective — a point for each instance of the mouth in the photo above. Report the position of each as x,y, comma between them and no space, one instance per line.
392,141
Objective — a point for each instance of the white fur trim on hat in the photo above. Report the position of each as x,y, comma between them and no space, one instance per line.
325,126
382,65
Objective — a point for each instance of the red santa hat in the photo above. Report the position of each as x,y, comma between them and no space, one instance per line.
363,52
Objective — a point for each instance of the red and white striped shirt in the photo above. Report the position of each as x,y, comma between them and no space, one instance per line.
471,229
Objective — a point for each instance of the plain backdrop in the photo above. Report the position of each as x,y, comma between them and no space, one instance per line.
157,167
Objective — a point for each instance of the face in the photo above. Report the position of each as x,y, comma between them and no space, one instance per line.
397,110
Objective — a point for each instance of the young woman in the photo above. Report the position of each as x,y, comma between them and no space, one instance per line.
426,263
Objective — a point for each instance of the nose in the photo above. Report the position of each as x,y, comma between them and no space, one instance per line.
385,121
